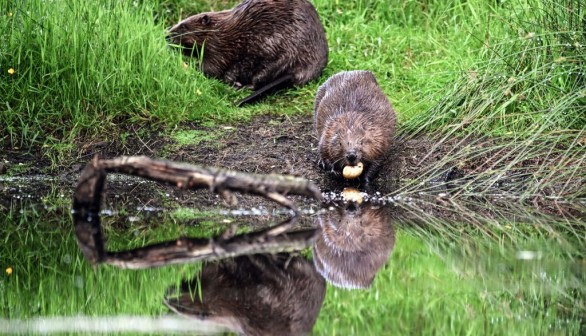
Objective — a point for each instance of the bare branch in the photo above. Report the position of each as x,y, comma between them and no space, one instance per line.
218,180
87,199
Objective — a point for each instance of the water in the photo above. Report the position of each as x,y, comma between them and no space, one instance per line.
390,264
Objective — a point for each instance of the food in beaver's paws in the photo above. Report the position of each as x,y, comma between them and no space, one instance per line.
352,172
352,195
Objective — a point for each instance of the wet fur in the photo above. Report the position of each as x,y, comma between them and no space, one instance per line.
257,43
353,115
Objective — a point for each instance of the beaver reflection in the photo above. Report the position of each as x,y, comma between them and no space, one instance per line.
255,295
354,243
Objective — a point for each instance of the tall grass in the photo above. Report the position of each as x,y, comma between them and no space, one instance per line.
528,92
532,82
507,167
523,188
88,68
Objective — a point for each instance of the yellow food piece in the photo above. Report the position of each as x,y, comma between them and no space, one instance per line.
352,195
352,172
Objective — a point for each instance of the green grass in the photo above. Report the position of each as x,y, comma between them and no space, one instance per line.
195,137
526,83
21,168
83,69
90,69
521,108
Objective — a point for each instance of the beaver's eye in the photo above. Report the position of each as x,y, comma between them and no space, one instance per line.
205,20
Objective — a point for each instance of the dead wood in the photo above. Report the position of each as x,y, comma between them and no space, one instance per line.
87,200
221,181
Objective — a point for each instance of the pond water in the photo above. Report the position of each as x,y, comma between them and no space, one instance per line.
375,265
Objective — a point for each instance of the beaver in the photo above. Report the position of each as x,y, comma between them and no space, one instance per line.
355,123
261,294
259,44
354,243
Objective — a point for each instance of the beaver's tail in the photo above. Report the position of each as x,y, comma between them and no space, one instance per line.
279,83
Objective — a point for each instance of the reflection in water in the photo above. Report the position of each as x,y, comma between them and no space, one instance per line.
354,243
260,294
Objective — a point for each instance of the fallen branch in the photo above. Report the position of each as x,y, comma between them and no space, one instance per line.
87,200
221,181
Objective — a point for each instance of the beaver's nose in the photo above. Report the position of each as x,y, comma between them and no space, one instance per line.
351,207
351,157
175,31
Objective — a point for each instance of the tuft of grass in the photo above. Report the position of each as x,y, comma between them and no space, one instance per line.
531,82
18,169
529,94
194,137
86,68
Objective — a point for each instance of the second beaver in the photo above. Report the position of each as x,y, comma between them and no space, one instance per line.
355,123
259,44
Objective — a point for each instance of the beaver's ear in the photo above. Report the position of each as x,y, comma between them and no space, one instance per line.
205,20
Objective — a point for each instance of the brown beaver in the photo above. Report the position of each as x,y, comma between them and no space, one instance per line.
259,44
259,294
354,122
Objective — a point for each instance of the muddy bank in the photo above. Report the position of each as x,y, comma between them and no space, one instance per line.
273,144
